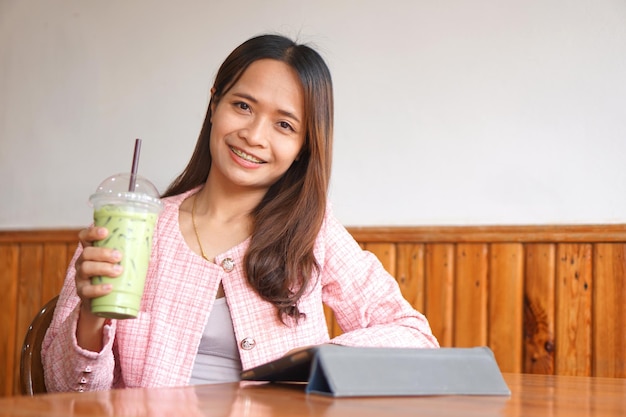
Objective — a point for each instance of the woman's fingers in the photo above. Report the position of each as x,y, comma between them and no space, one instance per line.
87,268
89,291
95,261
89,235
97,254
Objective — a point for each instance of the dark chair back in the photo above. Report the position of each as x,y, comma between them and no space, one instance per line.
31,368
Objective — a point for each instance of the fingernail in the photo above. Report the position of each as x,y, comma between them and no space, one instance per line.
107,287
117,255
117,268
102,231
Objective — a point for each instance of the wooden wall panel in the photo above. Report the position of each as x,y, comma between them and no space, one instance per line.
573,312
9,272
53,270
32,268
29,294
609,310
333,328
572,280
386,253
410,273
470,295
506,304
587,233
439,286
539,308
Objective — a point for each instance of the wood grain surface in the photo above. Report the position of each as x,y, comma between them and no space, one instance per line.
546,299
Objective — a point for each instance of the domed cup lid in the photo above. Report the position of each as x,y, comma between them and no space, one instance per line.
115,190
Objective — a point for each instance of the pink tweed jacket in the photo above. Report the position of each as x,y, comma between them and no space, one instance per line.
159,347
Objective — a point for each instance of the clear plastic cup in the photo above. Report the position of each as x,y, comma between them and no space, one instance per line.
130,218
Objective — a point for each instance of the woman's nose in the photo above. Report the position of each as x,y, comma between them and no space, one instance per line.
256,131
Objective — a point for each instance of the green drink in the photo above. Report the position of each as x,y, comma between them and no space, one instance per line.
130,218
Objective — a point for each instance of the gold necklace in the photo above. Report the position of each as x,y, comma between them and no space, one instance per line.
195,228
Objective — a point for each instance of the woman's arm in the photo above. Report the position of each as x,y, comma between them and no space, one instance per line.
67,365
366,299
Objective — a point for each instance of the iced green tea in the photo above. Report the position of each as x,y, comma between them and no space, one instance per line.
130,232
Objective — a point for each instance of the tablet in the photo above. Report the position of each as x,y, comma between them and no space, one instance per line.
343,371
293,367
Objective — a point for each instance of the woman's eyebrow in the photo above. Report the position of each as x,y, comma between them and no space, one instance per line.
254,100
246,96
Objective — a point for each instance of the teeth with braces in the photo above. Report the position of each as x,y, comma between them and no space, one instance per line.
245,156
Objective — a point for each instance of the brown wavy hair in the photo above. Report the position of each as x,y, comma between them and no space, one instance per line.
279,262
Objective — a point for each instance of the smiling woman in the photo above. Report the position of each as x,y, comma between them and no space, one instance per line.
256,133
246,252
266,82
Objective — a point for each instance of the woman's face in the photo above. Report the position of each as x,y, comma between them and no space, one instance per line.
258,127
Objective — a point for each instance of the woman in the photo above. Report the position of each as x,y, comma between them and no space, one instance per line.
245,252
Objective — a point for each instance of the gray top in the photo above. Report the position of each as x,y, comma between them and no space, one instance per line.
218,357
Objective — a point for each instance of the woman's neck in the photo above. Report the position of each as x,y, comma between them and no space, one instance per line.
226,205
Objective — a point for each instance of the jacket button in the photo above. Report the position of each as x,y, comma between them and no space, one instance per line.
228,264
248,343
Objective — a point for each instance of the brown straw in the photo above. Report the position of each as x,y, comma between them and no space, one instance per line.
133,171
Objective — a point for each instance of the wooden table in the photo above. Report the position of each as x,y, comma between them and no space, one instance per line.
532,395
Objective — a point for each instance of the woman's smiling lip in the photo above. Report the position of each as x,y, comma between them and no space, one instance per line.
246,156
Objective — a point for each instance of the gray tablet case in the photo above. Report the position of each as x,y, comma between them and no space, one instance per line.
341,371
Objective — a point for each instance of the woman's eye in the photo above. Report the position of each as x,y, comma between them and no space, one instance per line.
242,105
285,125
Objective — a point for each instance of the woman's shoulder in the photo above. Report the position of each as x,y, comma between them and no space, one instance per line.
332,229
330,220
172,203
170,211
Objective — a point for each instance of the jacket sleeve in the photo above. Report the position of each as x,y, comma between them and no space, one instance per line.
366,299
68,367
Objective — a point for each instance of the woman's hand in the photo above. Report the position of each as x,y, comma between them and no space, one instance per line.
93,261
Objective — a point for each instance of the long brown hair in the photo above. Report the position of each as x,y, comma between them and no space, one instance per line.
279,263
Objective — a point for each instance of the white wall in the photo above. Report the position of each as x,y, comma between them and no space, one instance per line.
447,112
